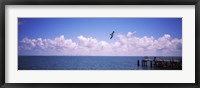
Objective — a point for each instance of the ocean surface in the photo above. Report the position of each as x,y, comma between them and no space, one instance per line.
82,63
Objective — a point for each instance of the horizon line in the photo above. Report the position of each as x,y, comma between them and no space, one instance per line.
96,55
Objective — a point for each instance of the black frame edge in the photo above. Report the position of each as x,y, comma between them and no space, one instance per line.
2,44
104,2
101,85
197,36
101,2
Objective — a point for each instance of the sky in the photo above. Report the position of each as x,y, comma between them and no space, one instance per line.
91,36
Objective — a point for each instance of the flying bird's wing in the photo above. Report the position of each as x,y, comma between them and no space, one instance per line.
111,37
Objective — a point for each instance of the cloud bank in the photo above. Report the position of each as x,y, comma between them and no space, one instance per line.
126,45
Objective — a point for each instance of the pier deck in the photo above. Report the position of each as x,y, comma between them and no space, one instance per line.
161,63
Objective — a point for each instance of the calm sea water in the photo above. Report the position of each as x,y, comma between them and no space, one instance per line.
81,63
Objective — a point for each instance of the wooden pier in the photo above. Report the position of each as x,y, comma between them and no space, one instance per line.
160,62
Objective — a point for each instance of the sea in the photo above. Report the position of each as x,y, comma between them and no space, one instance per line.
84,63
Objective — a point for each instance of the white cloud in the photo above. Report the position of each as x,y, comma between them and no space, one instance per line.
126,45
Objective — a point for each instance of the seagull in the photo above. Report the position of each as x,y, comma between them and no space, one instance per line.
111,35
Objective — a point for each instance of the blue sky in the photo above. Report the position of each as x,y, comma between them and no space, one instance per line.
97,28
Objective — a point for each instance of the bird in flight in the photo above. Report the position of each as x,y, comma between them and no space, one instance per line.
112,34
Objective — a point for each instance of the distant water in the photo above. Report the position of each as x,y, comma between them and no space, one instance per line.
82,63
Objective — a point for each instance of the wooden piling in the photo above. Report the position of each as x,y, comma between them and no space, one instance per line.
138,62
